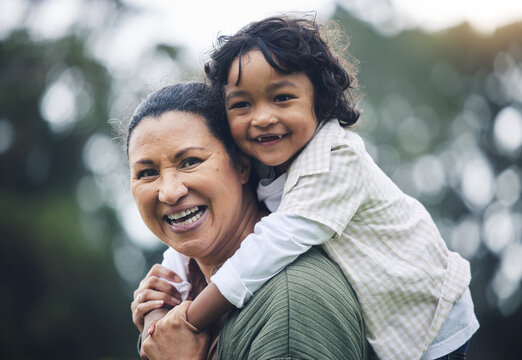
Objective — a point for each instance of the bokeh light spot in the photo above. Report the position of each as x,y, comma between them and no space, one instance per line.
58,106
428,175
465,237
499,229
507,130
136,229
130,263
477,183
508,186
100,154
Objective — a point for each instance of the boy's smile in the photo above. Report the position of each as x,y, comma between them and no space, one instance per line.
271,114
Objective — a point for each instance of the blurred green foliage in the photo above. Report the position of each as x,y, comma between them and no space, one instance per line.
62,295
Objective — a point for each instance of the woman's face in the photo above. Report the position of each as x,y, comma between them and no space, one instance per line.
187,190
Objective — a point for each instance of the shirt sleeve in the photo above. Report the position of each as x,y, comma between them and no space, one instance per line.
278,239
178,263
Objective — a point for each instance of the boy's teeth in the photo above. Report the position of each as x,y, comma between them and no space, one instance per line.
259,139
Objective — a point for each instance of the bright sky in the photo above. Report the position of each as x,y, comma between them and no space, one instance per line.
194,24
227,16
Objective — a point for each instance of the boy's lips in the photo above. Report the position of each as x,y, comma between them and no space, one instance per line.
268,139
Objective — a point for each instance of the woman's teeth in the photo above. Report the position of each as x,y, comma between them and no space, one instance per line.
186,217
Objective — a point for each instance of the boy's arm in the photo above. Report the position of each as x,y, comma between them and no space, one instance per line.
207,307
278,239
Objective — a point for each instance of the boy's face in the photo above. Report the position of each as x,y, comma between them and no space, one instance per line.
271,115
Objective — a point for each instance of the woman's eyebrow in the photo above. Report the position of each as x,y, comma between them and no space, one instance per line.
143,162
182,152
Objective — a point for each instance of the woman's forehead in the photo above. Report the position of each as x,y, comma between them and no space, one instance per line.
172,127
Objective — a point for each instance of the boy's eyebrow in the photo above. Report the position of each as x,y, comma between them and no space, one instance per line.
234,93
280,84
271,87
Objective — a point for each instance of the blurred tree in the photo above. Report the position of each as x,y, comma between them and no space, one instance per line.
61,296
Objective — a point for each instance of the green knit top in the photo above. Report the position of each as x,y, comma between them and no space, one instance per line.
307,311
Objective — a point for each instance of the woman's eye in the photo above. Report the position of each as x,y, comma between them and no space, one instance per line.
189,162
146,173
239,105
283,97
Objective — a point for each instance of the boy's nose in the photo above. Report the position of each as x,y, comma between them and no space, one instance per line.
171,190
263,118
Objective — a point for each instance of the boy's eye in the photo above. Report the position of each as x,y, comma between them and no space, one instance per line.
239,105
283,97
189,162
147,173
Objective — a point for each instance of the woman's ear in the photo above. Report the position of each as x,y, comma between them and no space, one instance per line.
244,165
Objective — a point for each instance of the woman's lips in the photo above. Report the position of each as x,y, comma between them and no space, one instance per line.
188,220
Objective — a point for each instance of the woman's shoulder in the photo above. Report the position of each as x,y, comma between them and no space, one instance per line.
307,309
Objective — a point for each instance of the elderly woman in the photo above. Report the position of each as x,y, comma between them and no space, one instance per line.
193,190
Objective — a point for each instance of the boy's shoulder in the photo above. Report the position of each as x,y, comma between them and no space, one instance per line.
327,149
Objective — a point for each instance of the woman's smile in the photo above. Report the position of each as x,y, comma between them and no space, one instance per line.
186,220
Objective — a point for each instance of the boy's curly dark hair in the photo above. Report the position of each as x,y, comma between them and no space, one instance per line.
291,44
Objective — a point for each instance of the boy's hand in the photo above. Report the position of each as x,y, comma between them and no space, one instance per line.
154,292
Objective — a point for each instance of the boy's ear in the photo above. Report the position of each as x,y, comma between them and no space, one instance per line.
244,165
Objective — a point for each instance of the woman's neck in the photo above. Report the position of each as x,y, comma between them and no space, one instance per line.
251,214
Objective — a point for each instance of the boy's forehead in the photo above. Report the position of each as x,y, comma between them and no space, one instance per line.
252,64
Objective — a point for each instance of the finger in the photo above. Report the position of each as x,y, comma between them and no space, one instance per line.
164,272
152,295
160,285
152,328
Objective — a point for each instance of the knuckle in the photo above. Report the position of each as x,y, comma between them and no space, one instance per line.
155,268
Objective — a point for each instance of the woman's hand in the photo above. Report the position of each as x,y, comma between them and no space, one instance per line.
175,338
153,293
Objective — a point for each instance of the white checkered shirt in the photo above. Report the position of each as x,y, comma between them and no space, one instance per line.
386,243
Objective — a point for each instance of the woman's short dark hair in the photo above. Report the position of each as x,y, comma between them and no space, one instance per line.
291,44
193,97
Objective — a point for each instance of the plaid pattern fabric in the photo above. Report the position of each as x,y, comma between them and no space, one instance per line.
386,243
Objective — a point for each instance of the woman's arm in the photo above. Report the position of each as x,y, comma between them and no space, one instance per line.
153,293
174,338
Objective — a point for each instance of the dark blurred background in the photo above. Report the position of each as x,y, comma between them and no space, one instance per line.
442,115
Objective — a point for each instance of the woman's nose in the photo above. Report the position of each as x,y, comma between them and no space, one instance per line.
171,190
